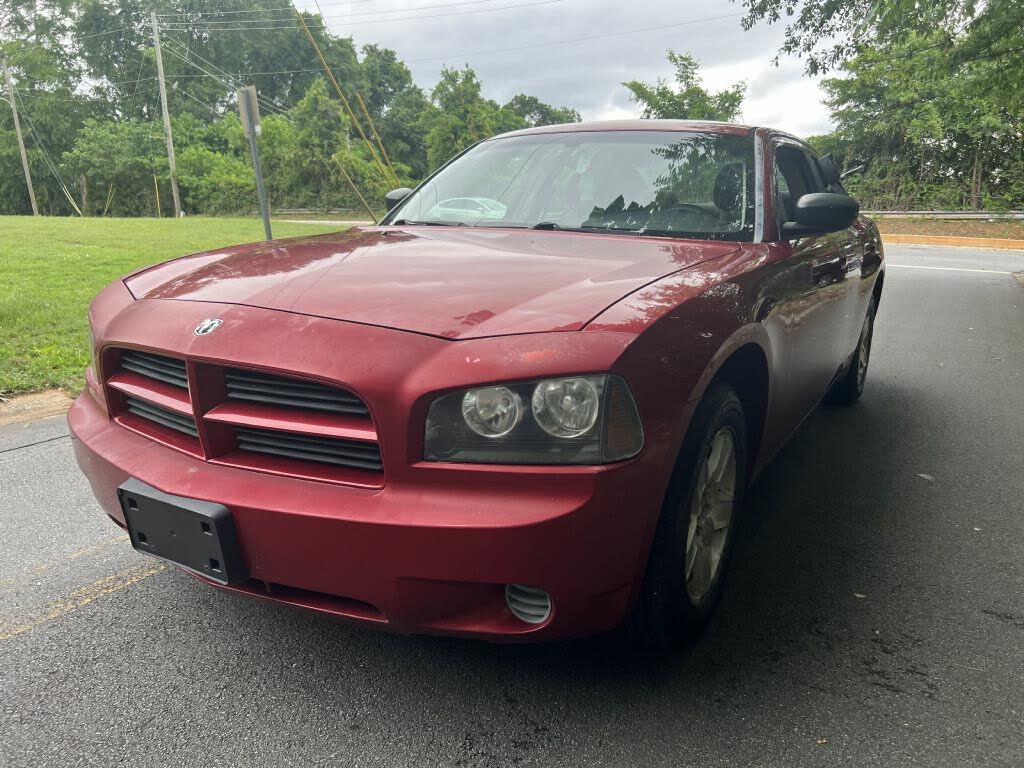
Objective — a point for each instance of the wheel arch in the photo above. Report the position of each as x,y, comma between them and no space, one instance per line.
745,363
876,289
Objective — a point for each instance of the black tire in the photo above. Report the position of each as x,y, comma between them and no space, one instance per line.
666,615
848,389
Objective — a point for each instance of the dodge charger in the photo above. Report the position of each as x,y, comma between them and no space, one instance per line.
526,405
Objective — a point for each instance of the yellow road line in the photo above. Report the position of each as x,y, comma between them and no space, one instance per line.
92,549
82,596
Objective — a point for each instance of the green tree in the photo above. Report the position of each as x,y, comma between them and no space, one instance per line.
535,112
686,98
461,116
828,32
119,160
932,135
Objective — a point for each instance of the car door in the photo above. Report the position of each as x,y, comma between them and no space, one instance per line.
816,310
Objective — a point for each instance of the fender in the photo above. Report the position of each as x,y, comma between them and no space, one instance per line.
752,333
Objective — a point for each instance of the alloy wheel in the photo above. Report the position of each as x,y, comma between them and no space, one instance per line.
711,514
864,351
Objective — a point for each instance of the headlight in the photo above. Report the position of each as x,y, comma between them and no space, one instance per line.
566,407
572,420
492,412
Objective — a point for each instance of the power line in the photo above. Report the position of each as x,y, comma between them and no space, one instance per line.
114,31
233,75
406,10
349,15
46,155
230,83
575,39
189,27
288,8
199,101
183,27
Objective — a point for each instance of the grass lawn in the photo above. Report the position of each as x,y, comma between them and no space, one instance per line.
50,268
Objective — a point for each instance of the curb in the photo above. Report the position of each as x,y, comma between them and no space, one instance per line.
956,242
40,405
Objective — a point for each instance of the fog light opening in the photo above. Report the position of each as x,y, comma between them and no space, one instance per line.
529,604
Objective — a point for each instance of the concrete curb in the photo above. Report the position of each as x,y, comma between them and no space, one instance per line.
40,405
955,242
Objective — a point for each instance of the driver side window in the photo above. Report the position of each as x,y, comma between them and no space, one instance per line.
795,176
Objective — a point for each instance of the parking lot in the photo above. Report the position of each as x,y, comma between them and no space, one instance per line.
874,615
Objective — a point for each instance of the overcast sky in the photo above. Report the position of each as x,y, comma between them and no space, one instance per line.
587,74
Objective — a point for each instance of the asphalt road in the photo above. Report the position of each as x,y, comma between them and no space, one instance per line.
874,617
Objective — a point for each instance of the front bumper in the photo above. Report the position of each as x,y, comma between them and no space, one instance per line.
431,555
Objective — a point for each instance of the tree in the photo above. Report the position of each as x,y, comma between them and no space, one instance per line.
535,112
686,98
461,116
932,135
828,32
120,160
85,73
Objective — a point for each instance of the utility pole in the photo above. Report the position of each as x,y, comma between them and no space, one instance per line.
167,118
21,140
249,113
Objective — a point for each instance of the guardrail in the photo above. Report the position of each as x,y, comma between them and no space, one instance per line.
984,215
356,212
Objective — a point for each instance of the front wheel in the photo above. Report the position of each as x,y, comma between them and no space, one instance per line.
694,537
848,389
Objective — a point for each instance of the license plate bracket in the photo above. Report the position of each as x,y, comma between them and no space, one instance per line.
198,535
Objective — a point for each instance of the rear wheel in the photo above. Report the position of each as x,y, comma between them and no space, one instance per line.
693,541
850,387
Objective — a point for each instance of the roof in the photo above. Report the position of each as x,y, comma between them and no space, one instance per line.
708,126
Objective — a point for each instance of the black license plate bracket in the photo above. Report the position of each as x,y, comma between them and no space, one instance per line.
198,535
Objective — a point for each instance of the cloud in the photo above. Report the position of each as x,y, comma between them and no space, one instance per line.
588,73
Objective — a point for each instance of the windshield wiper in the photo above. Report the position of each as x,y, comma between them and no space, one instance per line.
413,223
588,228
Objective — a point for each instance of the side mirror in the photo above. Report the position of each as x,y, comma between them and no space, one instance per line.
821,212
395,196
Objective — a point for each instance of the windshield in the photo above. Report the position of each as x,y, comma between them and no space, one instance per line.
670,183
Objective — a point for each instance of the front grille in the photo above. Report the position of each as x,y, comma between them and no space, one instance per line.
166,369
356,454
163,416
245,418
269,388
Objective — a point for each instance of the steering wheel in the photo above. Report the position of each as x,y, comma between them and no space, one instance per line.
689,206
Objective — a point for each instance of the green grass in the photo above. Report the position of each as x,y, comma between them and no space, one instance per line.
50,269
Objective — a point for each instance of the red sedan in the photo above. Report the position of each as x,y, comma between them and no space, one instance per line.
525,406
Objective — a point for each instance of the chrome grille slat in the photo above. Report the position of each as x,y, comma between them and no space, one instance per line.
326,450
161,415
258,387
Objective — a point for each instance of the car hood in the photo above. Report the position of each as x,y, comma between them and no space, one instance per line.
456,283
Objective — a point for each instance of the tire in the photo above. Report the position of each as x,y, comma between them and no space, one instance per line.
676,600
848,389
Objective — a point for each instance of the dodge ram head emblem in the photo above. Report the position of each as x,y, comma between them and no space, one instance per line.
209,325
